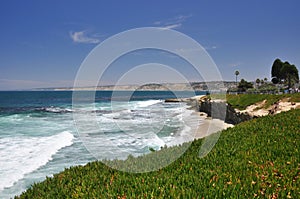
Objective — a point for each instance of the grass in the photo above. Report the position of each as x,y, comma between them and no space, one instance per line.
241,101
255,159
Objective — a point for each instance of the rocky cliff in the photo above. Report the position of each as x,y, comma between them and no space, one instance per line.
223,111
216,109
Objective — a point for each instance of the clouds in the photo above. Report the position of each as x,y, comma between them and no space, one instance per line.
172,23
83,37
211,47
172,26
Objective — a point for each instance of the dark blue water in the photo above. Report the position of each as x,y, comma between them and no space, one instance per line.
38,99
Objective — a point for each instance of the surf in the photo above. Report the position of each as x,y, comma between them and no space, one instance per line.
22,155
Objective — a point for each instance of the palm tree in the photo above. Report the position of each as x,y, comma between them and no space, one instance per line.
257,82
236,74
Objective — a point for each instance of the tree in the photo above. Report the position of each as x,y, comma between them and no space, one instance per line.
257,81
267,88
244,85
290,74
284,73
275,80
276,67
236,75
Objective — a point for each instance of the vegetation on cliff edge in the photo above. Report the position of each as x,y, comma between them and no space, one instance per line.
241,101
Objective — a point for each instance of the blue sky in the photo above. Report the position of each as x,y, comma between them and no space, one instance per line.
43,43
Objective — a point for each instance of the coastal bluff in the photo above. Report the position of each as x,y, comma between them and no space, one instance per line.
213,108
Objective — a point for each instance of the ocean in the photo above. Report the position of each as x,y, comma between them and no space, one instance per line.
39,137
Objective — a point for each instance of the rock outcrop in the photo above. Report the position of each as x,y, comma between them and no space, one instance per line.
219,109
223,111
216,109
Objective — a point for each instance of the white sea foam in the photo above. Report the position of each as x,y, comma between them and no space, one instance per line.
57,110
132,127
147,103
155,142
23,155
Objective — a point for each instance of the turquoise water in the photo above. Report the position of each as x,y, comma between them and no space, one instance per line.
38,135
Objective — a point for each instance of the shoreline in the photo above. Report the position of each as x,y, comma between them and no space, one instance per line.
202,106
207,125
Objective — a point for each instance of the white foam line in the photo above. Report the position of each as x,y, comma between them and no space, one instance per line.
20,156
148,103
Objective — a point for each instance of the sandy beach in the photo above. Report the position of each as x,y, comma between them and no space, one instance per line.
209,125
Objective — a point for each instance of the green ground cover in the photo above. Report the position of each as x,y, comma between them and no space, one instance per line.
255,159
241,101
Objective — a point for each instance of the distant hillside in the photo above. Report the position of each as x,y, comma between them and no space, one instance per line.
197,86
